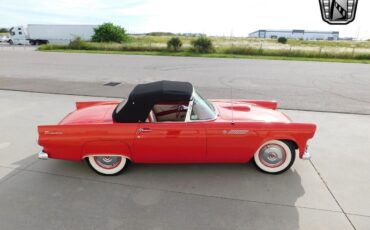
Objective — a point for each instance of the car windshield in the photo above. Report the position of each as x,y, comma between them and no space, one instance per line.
202,108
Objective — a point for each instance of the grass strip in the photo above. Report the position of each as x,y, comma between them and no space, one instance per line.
220,52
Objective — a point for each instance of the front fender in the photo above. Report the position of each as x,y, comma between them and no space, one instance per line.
299,133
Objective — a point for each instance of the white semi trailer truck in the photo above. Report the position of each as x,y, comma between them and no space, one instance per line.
37,34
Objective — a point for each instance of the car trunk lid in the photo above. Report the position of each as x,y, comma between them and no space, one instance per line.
95,114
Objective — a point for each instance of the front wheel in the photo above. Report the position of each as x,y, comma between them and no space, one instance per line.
274,157
107,165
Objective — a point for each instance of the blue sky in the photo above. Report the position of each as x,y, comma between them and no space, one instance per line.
231,17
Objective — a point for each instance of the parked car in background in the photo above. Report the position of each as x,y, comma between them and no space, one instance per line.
170,122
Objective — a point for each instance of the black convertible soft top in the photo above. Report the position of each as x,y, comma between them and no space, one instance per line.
144,96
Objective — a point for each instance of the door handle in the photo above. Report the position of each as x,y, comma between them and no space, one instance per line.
144,130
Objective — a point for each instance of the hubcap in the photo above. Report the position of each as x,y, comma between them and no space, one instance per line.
272,155
108,162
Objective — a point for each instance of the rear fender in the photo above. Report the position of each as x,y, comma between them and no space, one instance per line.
60,142
105,148
85,104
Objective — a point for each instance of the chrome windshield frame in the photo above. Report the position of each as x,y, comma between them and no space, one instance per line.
190,109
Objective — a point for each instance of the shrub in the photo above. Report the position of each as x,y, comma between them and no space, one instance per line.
77,44
108,32
282,40
174,44
202,45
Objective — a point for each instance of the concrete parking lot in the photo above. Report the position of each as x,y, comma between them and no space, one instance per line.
331,192
328,192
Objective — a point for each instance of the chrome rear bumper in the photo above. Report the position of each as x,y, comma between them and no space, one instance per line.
43,155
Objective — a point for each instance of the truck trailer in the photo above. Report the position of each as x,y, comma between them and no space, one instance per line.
38,34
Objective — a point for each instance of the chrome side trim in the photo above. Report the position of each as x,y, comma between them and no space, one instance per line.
235,132
42,155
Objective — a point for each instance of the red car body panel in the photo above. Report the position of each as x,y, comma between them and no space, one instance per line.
241,127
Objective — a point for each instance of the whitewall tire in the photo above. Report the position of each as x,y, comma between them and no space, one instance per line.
107,165
274,157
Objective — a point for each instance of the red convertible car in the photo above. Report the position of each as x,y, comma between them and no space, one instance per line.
169,122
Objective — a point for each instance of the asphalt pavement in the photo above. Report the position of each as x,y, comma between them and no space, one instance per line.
318,86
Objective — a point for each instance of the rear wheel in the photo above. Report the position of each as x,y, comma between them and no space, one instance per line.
107,165
274,157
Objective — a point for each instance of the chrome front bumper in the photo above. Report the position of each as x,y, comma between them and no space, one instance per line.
43,155
306,155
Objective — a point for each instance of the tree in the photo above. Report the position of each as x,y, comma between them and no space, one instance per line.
174,44
282,40
4,30
108,32
202,45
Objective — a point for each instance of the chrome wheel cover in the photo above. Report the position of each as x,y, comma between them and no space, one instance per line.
108,162
272,155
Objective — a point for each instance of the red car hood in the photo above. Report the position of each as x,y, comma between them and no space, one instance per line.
96,114
243,111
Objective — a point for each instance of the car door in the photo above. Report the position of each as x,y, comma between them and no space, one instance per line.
231,142
170,142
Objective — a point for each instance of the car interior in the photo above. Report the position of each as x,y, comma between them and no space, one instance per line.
168,111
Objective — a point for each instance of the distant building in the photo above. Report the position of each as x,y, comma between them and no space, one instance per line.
296,34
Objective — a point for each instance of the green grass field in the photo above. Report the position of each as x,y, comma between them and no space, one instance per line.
345,44
331,51
211,55
146,39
